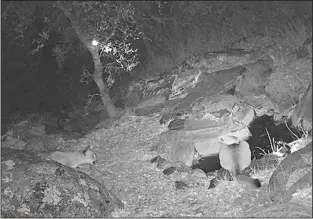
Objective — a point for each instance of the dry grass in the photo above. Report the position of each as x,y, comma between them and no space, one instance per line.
124,155
192,28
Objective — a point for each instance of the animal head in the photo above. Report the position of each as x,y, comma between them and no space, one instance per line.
229,139
89,156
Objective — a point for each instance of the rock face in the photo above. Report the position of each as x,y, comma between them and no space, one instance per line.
207,85
303,109
293,173
257,80
34,187
216,93
288,81
254,80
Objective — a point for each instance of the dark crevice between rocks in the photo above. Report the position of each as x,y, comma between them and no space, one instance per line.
278,130
208,164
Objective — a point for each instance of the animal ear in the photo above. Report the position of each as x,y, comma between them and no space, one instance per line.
86,149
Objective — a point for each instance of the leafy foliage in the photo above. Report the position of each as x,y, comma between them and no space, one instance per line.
111,23
13,22
20,19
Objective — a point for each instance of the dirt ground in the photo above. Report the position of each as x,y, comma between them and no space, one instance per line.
124,168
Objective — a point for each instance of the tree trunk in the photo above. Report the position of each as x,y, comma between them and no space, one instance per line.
97,77
94,50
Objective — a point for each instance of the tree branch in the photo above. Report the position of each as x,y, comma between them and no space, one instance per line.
80,33
116,20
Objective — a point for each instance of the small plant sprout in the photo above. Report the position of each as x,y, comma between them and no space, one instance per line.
274,147
302,141
261,150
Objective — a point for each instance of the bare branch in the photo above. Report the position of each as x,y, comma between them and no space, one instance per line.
116,20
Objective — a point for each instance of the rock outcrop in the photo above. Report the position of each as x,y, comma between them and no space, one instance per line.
34,187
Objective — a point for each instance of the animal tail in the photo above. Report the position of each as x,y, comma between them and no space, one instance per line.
255,183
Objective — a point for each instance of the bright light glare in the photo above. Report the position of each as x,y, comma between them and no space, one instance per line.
95,42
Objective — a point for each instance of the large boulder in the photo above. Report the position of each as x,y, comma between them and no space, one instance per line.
293,173
34,187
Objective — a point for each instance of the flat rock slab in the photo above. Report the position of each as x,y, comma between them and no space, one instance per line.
209,84
175,146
